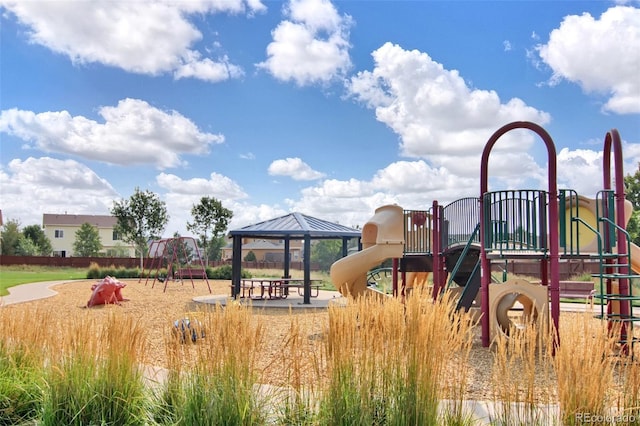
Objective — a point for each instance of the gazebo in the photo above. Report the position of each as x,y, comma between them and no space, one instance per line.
294,226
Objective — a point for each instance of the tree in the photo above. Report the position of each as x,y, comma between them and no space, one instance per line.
141,218
179,250
118,250
87,242
325,252
210,218
632,193
632,188
36,234
10,237
26,247
215,248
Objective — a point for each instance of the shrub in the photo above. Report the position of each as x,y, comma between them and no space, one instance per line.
94,271
97,272
250,257
224,272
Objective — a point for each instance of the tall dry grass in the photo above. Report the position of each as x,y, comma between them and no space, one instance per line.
628,401
94,373
392,363
381,362
296,397
23,348
522,375
214,381
584,365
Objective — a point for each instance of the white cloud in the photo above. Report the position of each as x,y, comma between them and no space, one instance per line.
217,185
312,46
435,113
600,55
35,186
133,132
580,170
295,168
208,70
411,184
182,194
140,37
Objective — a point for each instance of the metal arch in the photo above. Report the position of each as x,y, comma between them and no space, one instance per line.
553,218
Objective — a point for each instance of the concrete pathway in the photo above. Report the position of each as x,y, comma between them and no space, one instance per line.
29,292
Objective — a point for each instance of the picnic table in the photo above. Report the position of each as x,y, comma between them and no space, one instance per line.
275,288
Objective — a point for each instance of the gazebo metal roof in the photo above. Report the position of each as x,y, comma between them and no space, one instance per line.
296,225
289,227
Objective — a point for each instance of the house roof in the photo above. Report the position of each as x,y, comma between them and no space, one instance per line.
296,225
263,245
99,221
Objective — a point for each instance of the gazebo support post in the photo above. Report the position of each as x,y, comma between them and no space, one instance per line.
287,258
236,265
307,270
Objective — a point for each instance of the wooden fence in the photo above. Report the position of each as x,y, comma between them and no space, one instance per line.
131,262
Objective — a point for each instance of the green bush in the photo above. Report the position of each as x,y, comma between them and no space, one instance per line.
224,272
96,272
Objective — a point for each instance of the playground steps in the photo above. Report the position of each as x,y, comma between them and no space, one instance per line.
610,273
470,292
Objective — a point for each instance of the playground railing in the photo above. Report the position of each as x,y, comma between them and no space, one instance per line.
574,234
460,220
418,231
516,222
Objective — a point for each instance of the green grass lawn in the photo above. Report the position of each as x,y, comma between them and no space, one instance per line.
20,274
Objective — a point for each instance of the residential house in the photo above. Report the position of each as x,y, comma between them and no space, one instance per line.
266,250
61,231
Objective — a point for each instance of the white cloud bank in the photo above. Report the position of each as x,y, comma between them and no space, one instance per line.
35,186
133,132
101,32
312,46
601,55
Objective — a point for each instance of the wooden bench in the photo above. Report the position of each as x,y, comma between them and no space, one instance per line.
577,290
191,273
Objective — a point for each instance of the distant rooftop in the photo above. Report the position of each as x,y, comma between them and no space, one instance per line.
99,221
296,225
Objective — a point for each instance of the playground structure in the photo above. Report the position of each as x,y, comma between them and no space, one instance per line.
181,258
461,242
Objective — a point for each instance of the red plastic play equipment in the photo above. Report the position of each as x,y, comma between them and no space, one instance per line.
105,292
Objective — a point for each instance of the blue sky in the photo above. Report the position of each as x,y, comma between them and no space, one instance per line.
326,108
